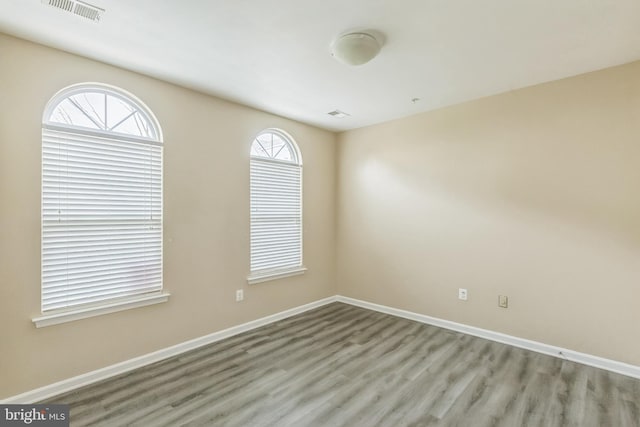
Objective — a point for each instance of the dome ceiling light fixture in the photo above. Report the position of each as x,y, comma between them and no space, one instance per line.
355,48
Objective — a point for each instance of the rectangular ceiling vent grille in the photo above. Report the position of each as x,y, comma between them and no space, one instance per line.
339,114
80,8
66,5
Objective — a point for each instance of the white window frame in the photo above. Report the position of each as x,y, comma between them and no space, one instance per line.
107,305
263,275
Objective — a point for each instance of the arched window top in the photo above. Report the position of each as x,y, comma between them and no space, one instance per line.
101,109
275,144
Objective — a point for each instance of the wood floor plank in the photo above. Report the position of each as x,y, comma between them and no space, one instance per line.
341,365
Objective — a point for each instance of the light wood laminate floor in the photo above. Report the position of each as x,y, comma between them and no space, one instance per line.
340,365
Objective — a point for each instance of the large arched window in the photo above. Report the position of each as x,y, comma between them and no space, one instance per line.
101,200
276,207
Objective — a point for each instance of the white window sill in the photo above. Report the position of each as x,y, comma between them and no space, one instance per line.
56,318
265,276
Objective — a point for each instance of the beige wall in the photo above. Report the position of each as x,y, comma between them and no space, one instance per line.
534,194
206,250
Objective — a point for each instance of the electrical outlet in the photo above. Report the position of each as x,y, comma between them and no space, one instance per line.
462,294
503,301
239,295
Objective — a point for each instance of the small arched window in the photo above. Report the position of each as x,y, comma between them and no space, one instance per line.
101,199
276,206
274,145
103,110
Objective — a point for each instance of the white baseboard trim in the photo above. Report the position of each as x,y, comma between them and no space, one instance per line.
43,393
88,378
551,350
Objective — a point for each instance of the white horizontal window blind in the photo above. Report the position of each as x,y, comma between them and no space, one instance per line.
101,201
276,204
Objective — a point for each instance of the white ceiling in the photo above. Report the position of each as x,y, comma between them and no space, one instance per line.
274,54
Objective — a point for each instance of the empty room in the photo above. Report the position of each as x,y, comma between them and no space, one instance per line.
295,213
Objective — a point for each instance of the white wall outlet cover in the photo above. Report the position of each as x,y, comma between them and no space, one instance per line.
503,301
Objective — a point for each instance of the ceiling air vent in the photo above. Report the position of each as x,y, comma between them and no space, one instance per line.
337,113
77,7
